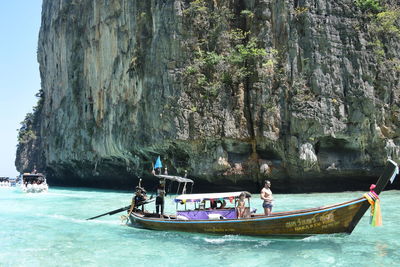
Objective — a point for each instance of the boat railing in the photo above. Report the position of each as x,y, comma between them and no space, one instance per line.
312,209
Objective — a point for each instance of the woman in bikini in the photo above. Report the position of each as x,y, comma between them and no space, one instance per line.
241,207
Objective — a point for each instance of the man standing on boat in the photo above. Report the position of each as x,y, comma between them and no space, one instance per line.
160,198
34,171
266,195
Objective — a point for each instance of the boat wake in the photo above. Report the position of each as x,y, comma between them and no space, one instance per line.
113,222
320,238
69,219
262,242
233,239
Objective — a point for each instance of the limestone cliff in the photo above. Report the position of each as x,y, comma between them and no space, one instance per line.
303,92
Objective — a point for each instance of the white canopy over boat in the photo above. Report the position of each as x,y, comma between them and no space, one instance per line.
210,196
175,178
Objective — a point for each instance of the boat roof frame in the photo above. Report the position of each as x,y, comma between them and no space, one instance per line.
31,176
174,178
210,196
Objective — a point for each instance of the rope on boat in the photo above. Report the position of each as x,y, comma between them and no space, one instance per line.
374,201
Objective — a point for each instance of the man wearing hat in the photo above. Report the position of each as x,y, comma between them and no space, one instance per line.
140,197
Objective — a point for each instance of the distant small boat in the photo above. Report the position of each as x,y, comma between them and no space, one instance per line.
34,183
7,182
332,219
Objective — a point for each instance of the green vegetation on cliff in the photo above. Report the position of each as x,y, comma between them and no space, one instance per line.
369,5
28,151
227,54
29,126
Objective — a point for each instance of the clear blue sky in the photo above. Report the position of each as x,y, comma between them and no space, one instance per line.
19,72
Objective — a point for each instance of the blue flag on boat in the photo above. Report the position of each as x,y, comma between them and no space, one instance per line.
158,163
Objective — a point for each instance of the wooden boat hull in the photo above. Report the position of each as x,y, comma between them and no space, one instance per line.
329,220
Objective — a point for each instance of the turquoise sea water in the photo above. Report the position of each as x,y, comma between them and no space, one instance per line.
50,229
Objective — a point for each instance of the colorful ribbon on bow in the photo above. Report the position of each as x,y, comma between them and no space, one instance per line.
374,201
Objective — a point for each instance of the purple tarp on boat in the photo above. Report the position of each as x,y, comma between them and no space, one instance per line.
203,214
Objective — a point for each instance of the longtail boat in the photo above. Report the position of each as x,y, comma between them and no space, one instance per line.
34,183
332,219
7,182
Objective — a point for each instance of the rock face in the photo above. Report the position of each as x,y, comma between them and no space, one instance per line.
304,93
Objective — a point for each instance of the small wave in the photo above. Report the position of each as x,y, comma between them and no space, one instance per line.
235,239
263,243
215,241
311,239
326,237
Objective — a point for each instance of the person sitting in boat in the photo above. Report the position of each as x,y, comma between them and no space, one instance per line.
241,206
160,198
218,204
222,204
139,198
34,171
213,204
266,195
